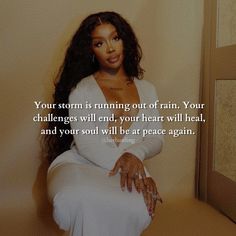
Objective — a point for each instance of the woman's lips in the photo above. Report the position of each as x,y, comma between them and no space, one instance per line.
113,59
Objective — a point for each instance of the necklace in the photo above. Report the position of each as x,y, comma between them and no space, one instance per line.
128,82
113,88
120,88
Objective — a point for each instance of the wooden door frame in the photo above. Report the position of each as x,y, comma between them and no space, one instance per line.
211,182
203,134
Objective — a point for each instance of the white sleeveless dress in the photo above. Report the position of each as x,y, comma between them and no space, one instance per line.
86,201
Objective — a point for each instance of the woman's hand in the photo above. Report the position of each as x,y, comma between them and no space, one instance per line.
150,195
131,169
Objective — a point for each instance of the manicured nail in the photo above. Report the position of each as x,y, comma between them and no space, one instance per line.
123,189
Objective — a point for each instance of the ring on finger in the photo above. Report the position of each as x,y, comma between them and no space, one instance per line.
154,196
138,176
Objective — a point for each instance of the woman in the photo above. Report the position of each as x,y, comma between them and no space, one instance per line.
89,198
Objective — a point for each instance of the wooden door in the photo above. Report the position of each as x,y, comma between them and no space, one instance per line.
218,134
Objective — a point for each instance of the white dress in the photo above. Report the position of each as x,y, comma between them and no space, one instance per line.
86,201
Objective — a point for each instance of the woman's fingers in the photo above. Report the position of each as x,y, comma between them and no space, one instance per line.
147,186
129,183
141,171
131,173
141,184
123,177
153,206
131,169
126,179
132,176
151,195
156,193
153,192
115,168
148,201
145,197
137,184
159,197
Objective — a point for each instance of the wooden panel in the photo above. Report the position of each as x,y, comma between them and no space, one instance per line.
226,23
224,62
217,63
224,159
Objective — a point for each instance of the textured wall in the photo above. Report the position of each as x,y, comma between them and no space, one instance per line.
226,24
175,71
225,128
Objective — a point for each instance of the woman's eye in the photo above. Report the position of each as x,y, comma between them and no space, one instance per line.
98,44
116,38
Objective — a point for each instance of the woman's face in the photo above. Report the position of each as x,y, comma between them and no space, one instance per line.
107,47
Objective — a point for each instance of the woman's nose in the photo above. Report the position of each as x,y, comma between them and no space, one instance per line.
110,48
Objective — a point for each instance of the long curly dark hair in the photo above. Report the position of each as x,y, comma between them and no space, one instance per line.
79,63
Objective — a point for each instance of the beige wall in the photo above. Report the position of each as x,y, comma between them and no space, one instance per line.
33,35
174,68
